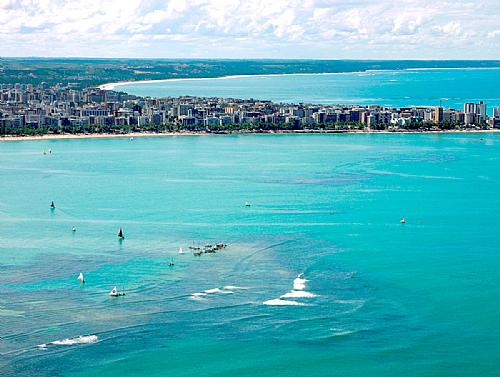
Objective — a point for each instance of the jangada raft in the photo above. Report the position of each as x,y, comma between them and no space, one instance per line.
114,292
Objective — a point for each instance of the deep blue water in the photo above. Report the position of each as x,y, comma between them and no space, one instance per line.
413,299
420,87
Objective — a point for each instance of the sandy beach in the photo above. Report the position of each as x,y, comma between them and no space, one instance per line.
113,85
166,134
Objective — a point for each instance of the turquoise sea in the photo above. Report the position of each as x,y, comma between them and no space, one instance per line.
410,87
378,298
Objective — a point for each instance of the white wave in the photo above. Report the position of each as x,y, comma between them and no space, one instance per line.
299,283
81,339
349,302
298,294
218,290
233,287
279,302
342,332
197,296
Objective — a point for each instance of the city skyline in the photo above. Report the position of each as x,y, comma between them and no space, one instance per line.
312,29
25,108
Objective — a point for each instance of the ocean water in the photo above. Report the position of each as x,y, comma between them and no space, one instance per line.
376,297
413,87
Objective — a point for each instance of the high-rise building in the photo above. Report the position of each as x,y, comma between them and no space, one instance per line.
496,112
470,108
438,114
481,111
476,111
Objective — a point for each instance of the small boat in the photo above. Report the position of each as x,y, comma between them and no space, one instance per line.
52,205
181,251
50,151
73,229
81,278
120,234
114,293
248,204
402,221
131,138
171,263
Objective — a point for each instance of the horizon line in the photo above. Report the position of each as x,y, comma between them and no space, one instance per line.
246,59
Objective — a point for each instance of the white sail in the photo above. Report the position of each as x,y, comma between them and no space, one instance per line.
81,278
114,292
181,251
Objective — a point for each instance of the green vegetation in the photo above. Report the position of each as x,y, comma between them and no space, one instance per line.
82,73
257,127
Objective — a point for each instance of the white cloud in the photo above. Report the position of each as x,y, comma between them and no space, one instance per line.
251,28
451,28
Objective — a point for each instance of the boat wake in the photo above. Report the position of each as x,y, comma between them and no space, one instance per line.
80,339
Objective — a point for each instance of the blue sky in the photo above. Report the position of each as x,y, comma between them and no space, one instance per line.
319,29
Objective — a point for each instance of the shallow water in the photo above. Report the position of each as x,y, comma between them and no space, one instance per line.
377,297
419,87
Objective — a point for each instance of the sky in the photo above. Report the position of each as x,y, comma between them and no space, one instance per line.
295,29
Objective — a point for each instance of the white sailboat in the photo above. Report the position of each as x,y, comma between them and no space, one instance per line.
81,278
114,292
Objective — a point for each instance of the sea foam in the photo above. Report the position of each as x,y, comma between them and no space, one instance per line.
233,287
279,302
218,290
298,294
80,339
299,283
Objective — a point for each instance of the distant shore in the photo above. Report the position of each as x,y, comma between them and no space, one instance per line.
298,132
113,85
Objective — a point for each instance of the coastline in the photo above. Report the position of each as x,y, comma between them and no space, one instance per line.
113,85
173,134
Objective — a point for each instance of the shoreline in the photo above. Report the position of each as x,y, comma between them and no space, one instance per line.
113,85
174,134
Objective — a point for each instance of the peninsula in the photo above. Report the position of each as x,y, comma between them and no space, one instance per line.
37,110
